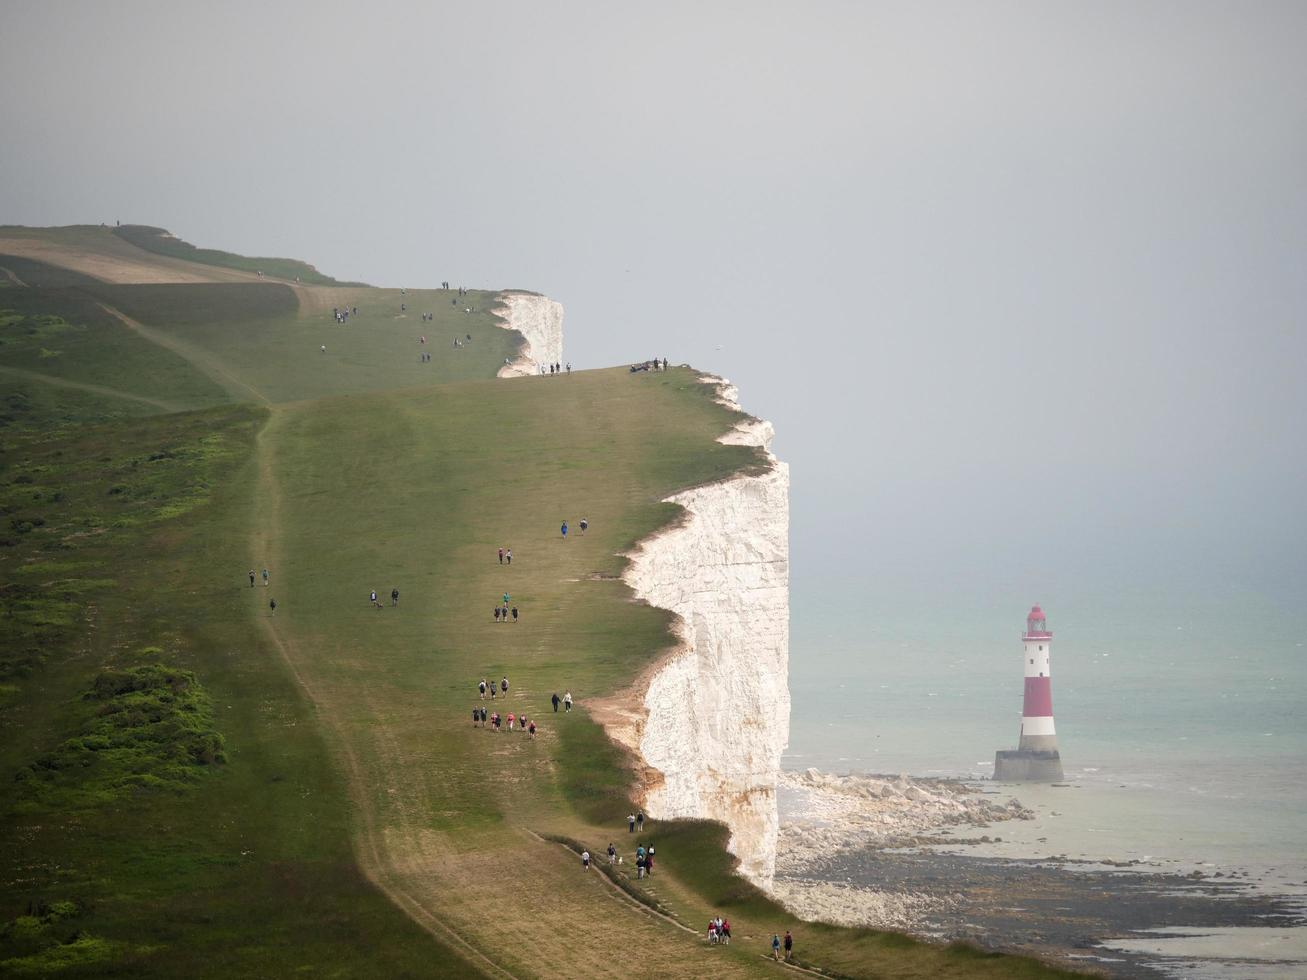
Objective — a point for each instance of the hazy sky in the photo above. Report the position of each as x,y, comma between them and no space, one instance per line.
1022,285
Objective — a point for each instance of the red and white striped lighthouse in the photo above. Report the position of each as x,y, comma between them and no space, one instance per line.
1037,731
1036,757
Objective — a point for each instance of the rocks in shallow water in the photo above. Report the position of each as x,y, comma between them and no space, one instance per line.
838,813
850,905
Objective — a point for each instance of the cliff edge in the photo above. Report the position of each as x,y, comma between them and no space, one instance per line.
539,320
711,719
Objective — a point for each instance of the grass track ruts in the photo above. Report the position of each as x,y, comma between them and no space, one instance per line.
265,540
204,361
93,389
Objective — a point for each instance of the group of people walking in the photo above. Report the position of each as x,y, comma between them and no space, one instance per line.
481,717
502,610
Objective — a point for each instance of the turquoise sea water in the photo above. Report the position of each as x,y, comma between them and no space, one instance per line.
1181,713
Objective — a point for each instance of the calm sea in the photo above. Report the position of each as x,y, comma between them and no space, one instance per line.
1181,713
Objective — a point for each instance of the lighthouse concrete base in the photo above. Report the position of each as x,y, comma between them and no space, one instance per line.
1027,766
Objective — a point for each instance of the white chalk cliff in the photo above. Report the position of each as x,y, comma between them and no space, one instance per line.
539,320
714,716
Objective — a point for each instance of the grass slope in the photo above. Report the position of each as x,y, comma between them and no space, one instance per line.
170,867
66,335
95,252
162,242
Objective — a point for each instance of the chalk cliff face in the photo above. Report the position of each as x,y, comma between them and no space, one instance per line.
539,320
714,717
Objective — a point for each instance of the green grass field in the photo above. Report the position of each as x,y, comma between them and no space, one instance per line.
195,785
160,242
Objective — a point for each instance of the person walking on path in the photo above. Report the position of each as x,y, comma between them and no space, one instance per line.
483,716
555,699
251,578
503,685
564,530
482,688
789,946
585,860
639,866
476,716
725,931
775,946
372,597
639,821
265,578
612,853
493,690
496,614
567,701
584,525
532,729
630,823
272,604
515,614
509,555
505,598
511,719
501,556
394,597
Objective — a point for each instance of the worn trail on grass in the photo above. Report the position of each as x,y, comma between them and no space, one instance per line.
492,894
49,379
265,539
207,363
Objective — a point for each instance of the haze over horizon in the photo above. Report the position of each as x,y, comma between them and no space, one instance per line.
1021,286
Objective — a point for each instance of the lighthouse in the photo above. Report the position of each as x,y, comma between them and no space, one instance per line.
1036,758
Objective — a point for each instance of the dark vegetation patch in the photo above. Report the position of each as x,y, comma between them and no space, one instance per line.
66,334
30,403
69,501
145,729
50,939
161,242
247,870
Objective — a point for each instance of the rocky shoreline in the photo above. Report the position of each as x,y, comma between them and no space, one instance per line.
859,851
826,818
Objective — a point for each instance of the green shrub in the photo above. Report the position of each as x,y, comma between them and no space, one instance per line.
148,729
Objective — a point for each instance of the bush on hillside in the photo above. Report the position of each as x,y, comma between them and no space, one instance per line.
147,729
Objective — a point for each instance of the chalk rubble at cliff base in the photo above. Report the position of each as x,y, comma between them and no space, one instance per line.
828,815
851,905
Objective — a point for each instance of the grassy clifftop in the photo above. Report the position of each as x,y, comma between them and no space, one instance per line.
347,817
162,242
